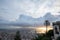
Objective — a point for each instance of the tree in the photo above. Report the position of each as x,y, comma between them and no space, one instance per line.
58,38
50,33
46,38
17,36
0,39
40,37
47,23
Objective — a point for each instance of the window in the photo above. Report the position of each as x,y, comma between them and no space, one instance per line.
56,30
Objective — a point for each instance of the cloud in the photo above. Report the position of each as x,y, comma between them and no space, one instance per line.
11,9
3,21
26,21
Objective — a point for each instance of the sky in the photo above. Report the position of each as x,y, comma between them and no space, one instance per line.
12,9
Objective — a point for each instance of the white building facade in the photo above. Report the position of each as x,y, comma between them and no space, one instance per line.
56,29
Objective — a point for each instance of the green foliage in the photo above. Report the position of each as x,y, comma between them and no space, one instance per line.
39,37
17,36
45,36
50,33
58,38
0,39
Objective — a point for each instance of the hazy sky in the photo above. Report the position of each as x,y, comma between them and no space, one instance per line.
12,9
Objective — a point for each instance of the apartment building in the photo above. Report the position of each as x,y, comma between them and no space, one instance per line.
56,29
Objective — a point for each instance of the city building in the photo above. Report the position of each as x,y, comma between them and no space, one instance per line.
56,29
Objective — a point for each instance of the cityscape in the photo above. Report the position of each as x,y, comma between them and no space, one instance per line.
29,19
